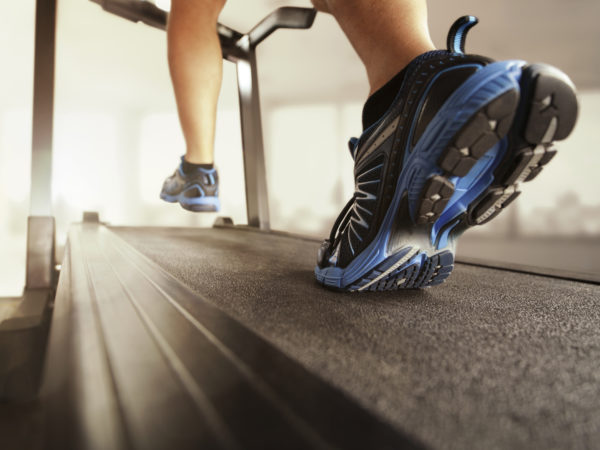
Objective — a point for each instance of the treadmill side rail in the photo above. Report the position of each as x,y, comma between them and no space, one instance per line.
138,360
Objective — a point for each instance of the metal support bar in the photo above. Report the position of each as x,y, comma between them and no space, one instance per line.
43,108
257,201
286,17
40,226
136,11
149,14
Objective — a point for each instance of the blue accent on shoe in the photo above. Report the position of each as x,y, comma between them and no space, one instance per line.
207,204
426,92
444,235
352,146
169,198
468,188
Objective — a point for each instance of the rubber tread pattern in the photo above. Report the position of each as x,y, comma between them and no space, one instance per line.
434,198
481,133
549,106
421,271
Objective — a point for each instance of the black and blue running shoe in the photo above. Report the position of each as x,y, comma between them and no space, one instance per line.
451,152
196,191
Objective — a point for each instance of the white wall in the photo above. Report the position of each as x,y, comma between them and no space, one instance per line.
16,80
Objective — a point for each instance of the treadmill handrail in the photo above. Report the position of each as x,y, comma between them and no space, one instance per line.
136,11
285,17
150,14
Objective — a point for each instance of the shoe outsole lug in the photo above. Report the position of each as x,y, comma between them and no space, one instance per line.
547,112
493,204
553,100
479,134
484,130
434,197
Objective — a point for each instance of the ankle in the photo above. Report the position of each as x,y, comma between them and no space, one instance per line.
384,92
188,167
195,156
380,74
380,100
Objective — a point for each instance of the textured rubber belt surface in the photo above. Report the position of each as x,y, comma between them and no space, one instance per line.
491,359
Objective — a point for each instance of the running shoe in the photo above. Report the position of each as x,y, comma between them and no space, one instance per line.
461,136
197,191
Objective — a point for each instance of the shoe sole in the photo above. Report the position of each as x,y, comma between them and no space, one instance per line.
505,141
189,204
547,113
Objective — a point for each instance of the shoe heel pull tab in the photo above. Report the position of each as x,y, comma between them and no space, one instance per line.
457,35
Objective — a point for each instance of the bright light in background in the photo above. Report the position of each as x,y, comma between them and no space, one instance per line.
16,93
85,162
15,175
309,171
165,5
160,141
229,162
15,155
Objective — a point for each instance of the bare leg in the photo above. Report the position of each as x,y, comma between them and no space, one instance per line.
386,34
196,67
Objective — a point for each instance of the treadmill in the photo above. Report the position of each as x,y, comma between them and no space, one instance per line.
155,337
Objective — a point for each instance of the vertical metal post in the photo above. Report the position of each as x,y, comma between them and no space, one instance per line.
257,202
43,108
40,233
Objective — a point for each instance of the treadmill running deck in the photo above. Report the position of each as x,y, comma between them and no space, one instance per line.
490,359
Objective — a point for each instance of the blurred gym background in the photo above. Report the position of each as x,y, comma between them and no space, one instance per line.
117,136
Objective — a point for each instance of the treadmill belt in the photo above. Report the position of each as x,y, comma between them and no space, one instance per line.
490,359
